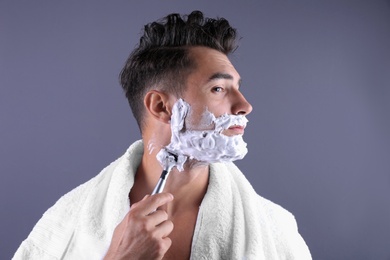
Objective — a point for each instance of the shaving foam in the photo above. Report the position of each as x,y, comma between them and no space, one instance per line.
207,146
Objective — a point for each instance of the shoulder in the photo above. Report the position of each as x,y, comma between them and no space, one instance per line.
50,235
279,217
272,218
69,203
266,206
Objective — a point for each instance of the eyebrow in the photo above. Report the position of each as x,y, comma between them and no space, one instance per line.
220,75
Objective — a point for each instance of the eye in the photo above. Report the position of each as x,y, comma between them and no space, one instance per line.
217,89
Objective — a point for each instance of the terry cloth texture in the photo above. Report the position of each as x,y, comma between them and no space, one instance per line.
233,221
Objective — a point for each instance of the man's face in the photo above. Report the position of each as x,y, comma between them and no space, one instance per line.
208,121
214,86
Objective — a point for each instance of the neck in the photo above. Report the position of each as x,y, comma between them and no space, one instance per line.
188,187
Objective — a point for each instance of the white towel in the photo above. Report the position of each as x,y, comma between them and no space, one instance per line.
81,223
233,221
236,223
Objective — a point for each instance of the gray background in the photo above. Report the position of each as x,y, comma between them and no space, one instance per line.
316,72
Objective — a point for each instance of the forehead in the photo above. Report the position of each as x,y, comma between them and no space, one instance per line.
210,62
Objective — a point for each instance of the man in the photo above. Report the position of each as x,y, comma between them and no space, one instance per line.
184,93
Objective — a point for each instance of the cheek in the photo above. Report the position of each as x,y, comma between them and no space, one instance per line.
218,110
192,120
195,120
199,119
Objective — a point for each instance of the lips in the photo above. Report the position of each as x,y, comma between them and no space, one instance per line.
235,130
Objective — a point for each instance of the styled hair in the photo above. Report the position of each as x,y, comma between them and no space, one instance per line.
162,59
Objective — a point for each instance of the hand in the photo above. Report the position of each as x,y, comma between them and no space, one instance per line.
143,233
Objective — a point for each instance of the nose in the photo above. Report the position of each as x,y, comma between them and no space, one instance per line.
240,105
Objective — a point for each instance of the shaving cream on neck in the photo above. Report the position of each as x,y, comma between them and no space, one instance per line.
206,146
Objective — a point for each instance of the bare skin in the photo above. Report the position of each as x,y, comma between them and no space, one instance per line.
167,232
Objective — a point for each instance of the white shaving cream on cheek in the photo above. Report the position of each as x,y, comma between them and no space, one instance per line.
207,146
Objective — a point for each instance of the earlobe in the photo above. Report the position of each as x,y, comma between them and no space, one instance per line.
157,105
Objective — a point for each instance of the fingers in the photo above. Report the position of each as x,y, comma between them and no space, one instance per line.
145,211
142,234
158,216
164,229
150,203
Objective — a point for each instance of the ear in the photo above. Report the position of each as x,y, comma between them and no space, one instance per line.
158,105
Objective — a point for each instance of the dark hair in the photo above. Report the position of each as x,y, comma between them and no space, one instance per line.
162,61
